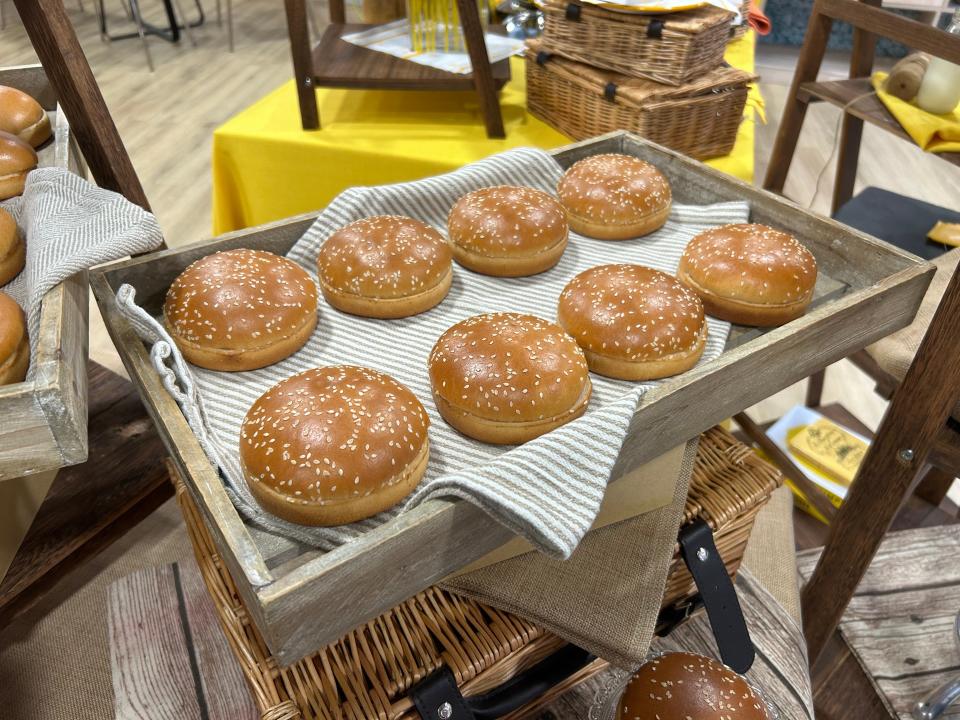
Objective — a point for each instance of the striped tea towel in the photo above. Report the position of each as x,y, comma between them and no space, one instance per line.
71,225
547,490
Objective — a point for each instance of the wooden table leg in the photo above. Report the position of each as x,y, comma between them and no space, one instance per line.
917,413
482,72
302,63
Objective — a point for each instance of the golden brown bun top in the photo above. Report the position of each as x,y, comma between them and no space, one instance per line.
18,110
13,326
331,434
508,366
240,300
507,221
631,312
8,233
385,256
677,686
613,189
16,156
751,262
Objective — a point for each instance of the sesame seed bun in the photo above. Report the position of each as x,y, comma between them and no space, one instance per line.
507,231
615,197
633,322
506,378
23,116
385,266
240,310
679,686
17,158
14,345
13,251
334,445
750,274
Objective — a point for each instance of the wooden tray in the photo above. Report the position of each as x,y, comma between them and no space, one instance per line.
45,420
303,599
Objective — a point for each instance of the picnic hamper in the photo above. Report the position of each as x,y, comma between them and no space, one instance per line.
369,672
673,48
699,118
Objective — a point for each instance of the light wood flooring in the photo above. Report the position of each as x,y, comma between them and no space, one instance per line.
166,119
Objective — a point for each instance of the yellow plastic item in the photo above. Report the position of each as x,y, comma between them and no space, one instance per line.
934,133
830,449
946,233
265,167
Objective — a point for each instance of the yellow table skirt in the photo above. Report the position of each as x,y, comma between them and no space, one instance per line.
266,167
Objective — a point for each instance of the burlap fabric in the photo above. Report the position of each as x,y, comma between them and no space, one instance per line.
619,564
895,353
770,553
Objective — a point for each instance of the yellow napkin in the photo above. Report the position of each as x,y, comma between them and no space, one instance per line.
934,133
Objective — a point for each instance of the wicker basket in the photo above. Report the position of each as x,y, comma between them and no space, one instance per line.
699,119
670,49
368,673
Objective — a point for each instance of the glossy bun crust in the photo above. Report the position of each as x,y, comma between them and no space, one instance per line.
241,310
13,251
615,197
17,159
23,116
385,266
334,445
750,274
506,378
508,231
14,345
633,322
681,686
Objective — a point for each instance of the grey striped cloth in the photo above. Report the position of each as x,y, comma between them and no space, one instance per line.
547,490
71,225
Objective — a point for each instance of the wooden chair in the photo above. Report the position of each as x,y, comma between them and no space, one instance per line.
334,62
912,432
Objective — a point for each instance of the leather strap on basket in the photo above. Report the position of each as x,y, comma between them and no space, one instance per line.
719,597
437,697
655,28
573,12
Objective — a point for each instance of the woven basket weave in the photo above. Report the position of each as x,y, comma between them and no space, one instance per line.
670,49
699,119
368,673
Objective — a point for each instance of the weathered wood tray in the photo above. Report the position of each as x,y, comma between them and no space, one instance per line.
44,420
302,599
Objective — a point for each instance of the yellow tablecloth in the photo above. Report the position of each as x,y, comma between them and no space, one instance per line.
265,167
934,133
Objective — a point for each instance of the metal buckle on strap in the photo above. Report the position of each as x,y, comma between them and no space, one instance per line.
610,91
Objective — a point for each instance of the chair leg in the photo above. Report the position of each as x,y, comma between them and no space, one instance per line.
815,389
230,25
3,15
916,415
219,15
80,6
186,23
794,112
302,62
312,19
135,9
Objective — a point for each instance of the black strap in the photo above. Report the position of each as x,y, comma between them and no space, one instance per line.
573,11
655,28
719,598
610,91
542,57
437,697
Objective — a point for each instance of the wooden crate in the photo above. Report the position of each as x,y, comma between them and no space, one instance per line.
302,599
45,420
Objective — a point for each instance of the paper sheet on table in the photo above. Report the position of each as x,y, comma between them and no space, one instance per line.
394,39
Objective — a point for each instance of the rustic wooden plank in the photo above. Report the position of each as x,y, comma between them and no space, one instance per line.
900,646
91,504
149,655
225,690
840,683
316,601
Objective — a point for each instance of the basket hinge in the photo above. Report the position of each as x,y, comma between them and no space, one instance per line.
655,28
719,597
542,57
437,697
573,11
610,91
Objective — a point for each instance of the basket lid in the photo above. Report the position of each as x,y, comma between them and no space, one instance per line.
627,90
685,22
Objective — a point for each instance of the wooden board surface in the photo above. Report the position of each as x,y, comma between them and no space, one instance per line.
325,595
44,420
899,623
93,503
